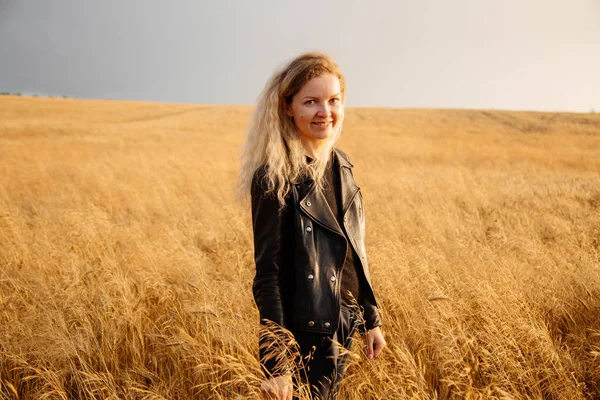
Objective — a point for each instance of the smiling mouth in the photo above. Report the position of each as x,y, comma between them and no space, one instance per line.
322,124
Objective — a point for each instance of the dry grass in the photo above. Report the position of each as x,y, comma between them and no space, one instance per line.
126,265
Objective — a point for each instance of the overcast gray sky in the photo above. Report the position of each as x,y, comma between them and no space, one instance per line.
504,54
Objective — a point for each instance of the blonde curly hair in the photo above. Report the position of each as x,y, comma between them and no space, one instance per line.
272,140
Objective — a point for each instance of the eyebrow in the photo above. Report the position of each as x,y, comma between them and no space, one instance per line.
315,97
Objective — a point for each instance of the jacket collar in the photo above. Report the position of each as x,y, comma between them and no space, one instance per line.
342,159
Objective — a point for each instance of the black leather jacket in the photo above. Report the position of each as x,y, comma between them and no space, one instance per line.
300,250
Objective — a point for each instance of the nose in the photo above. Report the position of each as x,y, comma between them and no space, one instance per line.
324,110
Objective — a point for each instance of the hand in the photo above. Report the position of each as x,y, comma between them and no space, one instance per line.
278,388
374,342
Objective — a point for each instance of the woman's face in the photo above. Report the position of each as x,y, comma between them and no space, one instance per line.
317,109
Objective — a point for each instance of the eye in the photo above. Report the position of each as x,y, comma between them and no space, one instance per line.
334,100
308,102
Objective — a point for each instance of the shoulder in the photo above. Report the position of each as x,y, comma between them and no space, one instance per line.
342,157
260,182
263,185
260,174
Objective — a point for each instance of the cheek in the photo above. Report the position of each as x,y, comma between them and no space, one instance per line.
301,122
303,118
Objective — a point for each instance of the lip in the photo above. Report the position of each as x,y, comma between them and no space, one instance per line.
322,124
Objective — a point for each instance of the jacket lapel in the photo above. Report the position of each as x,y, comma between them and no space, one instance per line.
349,188
315,204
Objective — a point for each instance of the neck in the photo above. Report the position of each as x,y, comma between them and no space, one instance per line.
312,148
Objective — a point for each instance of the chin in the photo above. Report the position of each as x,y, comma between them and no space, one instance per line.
323,134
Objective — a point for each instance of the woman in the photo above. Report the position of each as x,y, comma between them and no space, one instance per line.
312,285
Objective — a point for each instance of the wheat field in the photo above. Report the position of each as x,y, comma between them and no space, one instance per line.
126,261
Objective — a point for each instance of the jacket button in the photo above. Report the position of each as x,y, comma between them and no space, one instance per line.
311,323
332,279
326,324
308,203
311,277
308,229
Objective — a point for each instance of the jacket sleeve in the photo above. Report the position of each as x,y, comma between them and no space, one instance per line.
367,301
371,316
268,225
